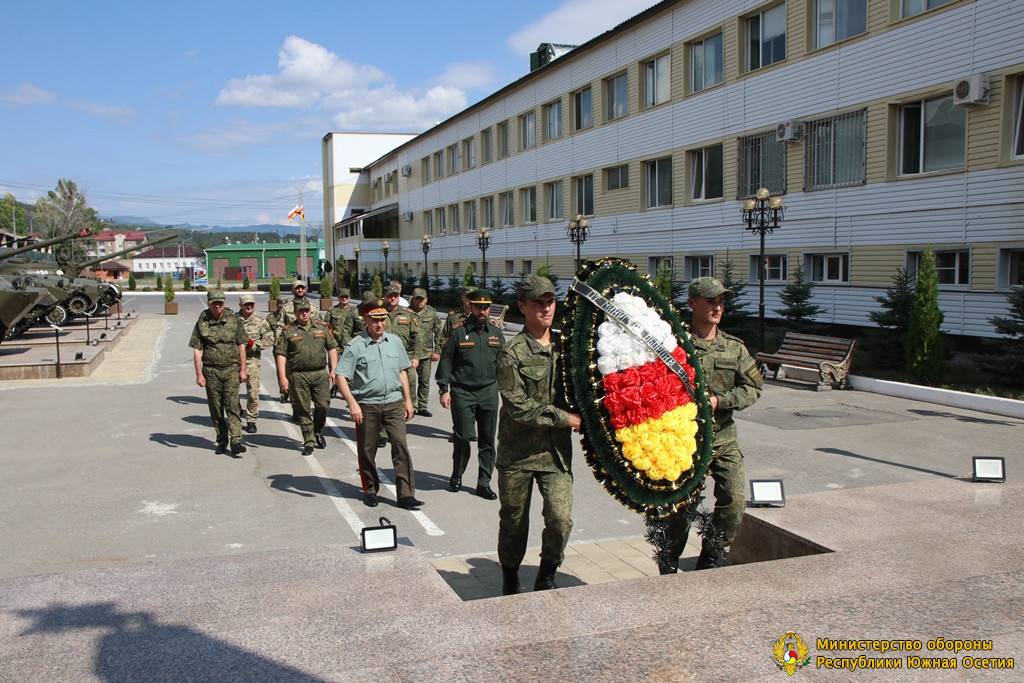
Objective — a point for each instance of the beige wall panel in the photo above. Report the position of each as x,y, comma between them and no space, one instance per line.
730,45
678,79
625,200
983,130
680,176
874,266
984,258
633,87
796,29
878,14
795,166
876,152
597,102
730,159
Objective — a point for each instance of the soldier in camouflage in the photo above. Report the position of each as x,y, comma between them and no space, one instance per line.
218,342
456,316
286,316
261,336
403,324
429,338
343,320
733,383
534,440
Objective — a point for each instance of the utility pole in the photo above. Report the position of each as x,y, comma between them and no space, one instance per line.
303,271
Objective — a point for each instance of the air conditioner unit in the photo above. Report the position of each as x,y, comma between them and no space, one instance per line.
406,171
789,131
971,90
407,215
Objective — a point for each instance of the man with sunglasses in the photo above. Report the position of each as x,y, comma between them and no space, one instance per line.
261,336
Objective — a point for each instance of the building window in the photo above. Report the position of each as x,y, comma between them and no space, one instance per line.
909,8
837,20
485,145
583,187
442,227
453,159
456,268
469,153
658,175
657,80
656,263
616,177
438,165
528,202
834,153
510,267
1010,271
699,266
582,109
706,173
527,130
774,267
615,97
553,200
766,37
1017,149
469,209
553,120
707,62
527,267
761,163
951,267
931,136
502,129
487,212
507,209
425,169
453,218
434,267
428,222
828,268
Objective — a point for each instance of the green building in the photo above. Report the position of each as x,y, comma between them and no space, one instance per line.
232,262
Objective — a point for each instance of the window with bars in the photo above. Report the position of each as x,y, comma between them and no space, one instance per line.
528,203
766,37
707,173
699,265
582,109
553,200
834,151
909,8
469,210
486,153
953,267
527,130
774,266
828,268
707,63
616,177
553,120
932,136
657,80
761,162
616,97
507,208
487,212
659,182
837,20
583,187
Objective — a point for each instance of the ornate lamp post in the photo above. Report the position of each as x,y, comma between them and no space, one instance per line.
483,240
355,250
577,232
762,215
386,249
425,245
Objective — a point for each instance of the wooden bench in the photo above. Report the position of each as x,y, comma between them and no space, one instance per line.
496,314
828,357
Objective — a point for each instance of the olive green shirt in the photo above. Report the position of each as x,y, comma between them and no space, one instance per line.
732,376
429,332
259,331
344,322
404,325
470,358
286,314
372,368
219,339
454,318
533,425
305,347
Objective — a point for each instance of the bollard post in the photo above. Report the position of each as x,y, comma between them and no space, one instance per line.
56,336
106,318
88,338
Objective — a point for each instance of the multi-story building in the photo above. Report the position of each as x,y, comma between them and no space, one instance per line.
109,242
890,127
183,260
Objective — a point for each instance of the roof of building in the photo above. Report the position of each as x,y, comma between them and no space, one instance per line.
110,236
113,266
280,246
170,252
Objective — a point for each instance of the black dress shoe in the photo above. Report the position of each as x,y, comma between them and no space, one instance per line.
307,450
455,484
370,500
486,493
424,412
409,503
321,442
250,427
237,448
221,449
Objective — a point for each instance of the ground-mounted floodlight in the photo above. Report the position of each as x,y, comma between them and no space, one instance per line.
989,469
379,538
767,493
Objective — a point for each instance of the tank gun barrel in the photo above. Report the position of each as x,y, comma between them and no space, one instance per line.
79,267
8,253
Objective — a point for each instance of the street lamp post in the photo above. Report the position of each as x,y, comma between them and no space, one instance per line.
577,232
762,214
425,245
386,249
483,240
356,250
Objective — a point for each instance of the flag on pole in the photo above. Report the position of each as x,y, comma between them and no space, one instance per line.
297,211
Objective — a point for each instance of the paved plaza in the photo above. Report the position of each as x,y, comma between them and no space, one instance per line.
130,551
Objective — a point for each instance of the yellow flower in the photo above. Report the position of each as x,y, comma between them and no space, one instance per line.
662,448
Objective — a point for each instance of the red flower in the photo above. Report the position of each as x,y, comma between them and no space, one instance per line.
646,391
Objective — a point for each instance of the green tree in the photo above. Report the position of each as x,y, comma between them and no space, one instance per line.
924,359
894,318
12,216
159,281
377,286
131,282
1012,364
186,285
326,286
468,277
220,285
169,290
737,306
275,288
499,289
547,271
246,282
64,209
663,280
796,299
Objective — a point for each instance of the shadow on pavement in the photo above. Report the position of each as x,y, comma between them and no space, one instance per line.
484,579
962,418
182,440
309,486
134,646
271,441
851,454
201,420
426,431
185,400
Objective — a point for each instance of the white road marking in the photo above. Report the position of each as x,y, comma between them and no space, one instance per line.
157,509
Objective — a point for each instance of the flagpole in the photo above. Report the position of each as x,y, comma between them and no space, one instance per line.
303,272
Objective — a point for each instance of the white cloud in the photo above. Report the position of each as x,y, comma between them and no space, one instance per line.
393,109
26,93
238,133
105,111
468,75
575,22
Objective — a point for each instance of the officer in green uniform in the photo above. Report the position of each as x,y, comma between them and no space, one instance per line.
261,336
733,383
403,324
286,315
467,382
429,338
343,319
218,342
456,316
301,350
534,440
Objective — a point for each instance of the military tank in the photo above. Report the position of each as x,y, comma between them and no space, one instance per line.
16,304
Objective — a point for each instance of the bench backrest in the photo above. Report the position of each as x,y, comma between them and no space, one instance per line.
833,349
497,312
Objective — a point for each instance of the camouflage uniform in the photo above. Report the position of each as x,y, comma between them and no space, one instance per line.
534,444
260,336
305,349
404,325
219,341
344,323
429,338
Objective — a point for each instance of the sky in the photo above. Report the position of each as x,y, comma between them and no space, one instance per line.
213,112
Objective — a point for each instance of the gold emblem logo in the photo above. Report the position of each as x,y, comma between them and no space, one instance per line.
790,653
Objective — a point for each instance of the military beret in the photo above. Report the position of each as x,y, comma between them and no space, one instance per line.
247,299
303,305
480,296
214,295
534,287
709,287
419,293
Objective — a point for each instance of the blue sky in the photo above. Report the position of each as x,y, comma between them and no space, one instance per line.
212,112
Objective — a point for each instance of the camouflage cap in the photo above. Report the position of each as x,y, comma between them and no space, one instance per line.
391,289
372,306
247,299
344,291
214,295
534,287
299,283
481,296
419,293
302,305
709,287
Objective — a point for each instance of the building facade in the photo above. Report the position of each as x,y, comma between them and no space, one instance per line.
233,262
108,242
163,260
889,126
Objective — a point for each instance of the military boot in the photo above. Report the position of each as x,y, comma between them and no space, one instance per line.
545,576
509,580
667,565
711,560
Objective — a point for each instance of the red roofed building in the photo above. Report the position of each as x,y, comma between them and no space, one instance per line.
108,242
177,259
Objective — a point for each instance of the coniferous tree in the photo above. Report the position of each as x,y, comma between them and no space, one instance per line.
131,282
894,317
547,271
468,276
737,307
159,282
924,359
499,289
377,286
796,298
663,280
1012,364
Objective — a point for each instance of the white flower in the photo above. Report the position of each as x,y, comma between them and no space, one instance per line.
618,349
